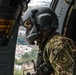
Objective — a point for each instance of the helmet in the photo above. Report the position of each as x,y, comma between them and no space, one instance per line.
37,21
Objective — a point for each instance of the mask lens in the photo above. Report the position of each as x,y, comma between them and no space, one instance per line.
28,24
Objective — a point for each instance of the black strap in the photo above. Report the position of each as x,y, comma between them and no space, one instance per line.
44,41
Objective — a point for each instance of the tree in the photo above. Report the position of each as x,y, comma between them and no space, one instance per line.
17,73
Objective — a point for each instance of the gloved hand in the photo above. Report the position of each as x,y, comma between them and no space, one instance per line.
45,69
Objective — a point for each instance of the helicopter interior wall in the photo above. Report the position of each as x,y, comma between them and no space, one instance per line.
71,26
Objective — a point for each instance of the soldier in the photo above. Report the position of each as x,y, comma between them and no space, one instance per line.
55,56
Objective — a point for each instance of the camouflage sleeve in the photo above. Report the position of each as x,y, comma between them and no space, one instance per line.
58,52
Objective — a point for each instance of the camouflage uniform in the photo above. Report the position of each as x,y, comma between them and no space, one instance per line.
58,51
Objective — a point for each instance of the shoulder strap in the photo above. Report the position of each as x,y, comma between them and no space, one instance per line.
44,42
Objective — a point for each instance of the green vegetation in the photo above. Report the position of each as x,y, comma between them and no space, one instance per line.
18,72
19,61
27,57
